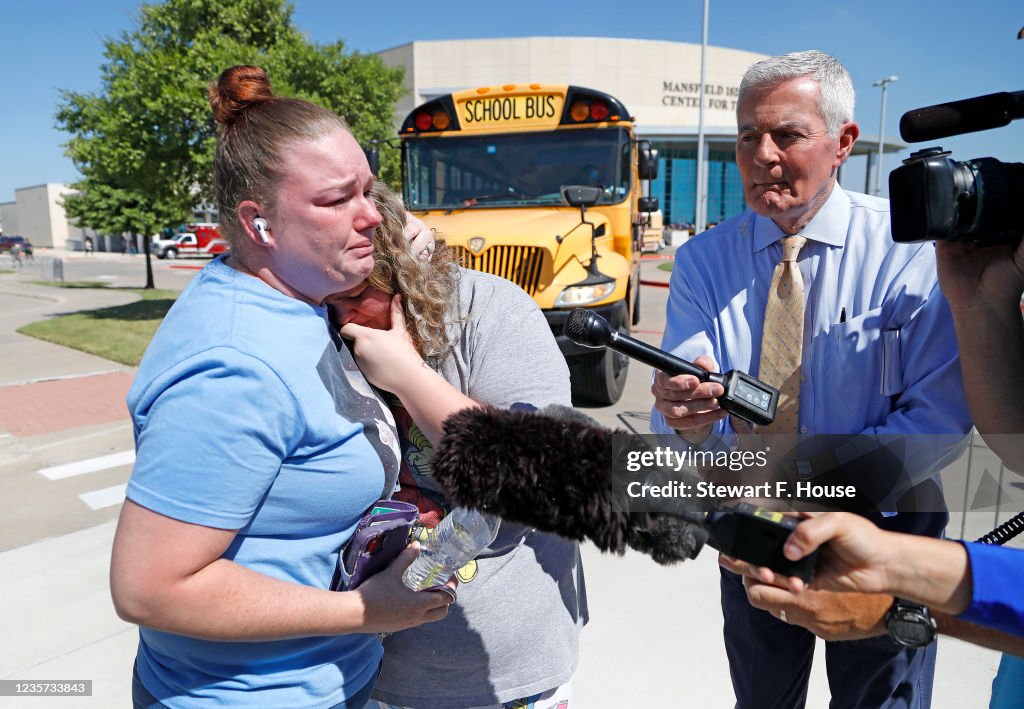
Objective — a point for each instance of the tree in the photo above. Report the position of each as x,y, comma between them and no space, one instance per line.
113,210
144,142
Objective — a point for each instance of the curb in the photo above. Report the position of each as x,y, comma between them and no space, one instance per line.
656,284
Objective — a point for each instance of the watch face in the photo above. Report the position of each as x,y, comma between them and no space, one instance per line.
911,633
910,626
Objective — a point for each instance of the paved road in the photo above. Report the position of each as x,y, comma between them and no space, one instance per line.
655,632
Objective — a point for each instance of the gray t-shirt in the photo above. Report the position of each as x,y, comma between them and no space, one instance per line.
515,628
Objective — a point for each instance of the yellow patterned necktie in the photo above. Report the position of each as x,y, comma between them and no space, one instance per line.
783,336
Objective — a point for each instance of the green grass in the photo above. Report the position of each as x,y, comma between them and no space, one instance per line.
120,333
6,270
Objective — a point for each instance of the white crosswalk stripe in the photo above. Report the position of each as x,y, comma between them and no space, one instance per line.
92,465
107,497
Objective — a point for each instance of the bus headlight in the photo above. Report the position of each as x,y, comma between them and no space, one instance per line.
575,296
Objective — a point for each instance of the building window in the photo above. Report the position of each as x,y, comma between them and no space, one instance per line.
676,185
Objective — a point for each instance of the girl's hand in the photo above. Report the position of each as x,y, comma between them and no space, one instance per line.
386,357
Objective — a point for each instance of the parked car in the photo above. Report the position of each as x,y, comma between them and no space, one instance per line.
8,242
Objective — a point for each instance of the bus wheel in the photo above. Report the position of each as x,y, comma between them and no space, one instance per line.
599,378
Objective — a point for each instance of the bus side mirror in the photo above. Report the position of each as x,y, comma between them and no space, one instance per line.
647,161
581,195
648,204
373,157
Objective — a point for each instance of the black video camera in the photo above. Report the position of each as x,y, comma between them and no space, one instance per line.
934,197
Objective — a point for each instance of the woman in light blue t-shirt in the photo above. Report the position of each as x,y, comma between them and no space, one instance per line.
259,443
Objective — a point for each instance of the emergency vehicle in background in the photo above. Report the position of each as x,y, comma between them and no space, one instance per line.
202,239
488,168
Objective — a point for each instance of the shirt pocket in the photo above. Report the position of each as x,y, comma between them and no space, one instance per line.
862,363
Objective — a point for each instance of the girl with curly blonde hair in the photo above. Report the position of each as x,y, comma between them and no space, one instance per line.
513,635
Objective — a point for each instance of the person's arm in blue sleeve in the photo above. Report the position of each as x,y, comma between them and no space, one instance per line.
682,403
997,591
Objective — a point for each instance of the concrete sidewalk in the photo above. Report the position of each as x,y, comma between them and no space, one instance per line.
58,405
655,632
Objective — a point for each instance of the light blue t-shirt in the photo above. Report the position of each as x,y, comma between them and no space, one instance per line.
250,415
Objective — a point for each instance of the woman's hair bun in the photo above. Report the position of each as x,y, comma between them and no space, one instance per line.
238,88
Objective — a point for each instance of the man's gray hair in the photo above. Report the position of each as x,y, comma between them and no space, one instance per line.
837,96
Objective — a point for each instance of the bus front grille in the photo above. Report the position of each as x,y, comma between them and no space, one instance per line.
520,264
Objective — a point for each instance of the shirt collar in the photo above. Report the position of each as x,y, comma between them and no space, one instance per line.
829,225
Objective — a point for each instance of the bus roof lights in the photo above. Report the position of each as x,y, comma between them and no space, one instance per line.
435,116
579,111
424,121
441,121
589,106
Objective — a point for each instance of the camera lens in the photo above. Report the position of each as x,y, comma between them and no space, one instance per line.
937,198
989,203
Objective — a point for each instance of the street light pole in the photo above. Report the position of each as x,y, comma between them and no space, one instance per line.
700,219
884,83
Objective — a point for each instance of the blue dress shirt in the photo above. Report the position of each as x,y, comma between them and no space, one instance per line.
879,356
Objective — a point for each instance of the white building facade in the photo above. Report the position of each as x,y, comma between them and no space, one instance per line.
37,213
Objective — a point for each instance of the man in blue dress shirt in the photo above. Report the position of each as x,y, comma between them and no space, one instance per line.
879,359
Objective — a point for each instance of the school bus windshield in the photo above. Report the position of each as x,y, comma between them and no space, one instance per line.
515,169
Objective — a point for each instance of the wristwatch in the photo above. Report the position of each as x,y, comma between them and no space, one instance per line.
804,469
910,624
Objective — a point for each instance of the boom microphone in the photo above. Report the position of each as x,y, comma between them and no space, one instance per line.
958,117
552,470
556,473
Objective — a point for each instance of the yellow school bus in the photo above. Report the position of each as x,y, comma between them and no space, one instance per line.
488,168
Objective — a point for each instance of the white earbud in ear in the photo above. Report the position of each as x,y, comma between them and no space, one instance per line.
261,226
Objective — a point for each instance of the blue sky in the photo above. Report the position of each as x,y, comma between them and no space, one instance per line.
940,51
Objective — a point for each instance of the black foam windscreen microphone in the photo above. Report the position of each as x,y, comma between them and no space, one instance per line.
958,117
552,470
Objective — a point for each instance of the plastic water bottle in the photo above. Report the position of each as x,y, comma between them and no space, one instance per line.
460,537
